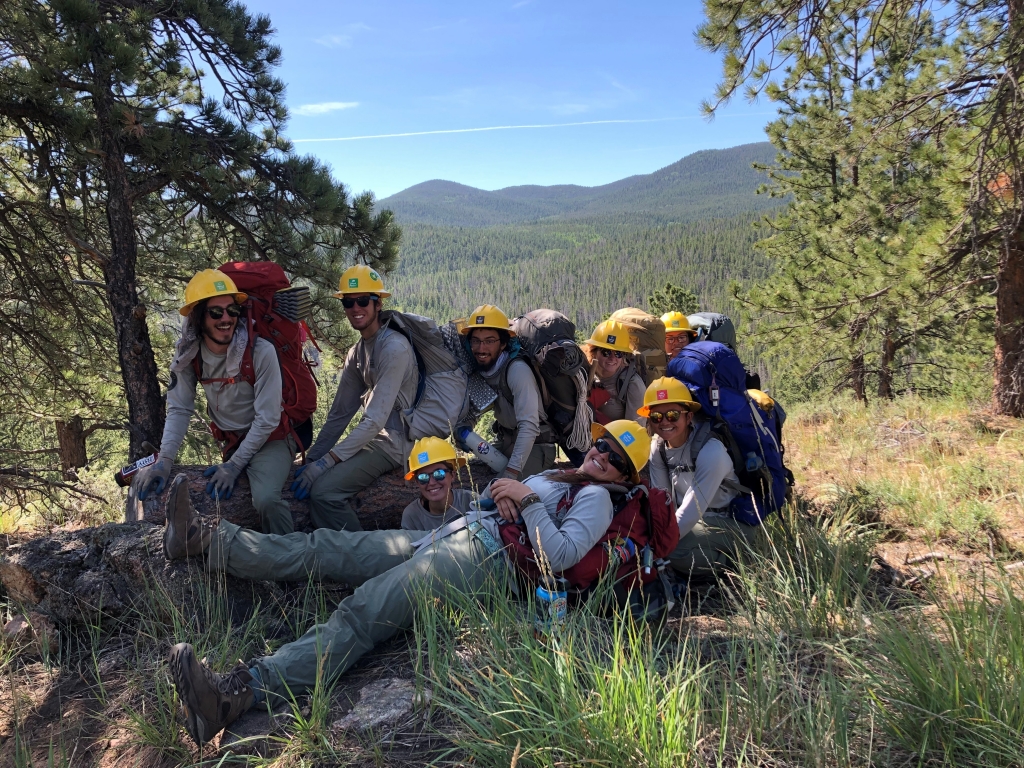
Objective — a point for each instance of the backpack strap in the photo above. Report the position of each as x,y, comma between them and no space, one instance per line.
702,433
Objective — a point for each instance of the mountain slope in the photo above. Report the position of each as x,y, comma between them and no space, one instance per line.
710,183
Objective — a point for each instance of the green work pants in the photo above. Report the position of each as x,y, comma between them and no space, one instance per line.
330,498
267,471
711,546
383,567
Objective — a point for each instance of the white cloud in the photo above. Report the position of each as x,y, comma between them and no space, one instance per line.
342,39
324,107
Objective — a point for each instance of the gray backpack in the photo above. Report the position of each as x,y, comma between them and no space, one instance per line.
712,326
442,394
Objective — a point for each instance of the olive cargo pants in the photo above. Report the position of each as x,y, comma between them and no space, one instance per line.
267,471
382,566
711,546
330,498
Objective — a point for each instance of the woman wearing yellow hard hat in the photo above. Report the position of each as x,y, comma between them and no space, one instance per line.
692,464
616,383
433,464
678,333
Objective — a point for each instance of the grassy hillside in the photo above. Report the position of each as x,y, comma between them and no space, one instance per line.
705,184
881,625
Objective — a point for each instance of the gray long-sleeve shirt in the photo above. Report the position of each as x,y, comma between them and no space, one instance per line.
238,407
633,386
564,537
522,416
416,516
380,376
711,485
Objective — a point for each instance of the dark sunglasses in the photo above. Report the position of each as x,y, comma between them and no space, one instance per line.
657,417
615,459
438,474
610,352
362,301
217,313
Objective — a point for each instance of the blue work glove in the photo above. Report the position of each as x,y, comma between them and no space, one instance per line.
153,478
222,482
307,474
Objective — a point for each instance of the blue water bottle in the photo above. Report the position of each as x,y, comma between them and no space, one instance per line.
552,605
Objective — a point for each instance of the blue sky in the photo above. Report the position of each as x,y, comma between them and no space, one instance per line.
394,66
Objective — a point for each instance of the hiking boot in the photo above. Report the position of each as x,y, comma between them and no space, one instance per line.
186,534
212,700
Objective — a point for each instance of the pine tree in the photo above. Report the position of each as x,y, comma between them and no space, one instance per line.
672,298
148,136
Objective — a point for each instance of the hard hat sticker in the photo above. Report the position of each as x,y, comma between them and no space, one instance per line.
374,276
423,458
220,285
663,394
627,439
611,339
480,320
675,323
353,282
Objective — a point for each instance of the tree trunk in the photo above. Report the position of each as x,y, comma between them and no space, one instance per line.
857,377
885,366
1009,351
134,349
71,445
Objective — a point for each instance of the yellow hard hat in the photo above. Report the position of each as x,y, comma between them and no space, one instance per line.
486,316
360,279
206,285
611,334
631,437
676,322
431,450
667,390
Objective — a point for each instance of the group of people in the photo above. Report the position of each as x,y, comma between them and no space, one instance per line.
445,541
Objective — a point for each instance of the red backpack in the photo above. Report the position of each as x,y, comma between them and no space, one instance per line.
643,515
261,280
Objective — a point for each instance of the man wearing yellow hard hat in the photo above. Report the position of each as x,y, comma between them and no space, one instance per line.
380,376
520,422
211,351
616,384
690,463
564,516
678,333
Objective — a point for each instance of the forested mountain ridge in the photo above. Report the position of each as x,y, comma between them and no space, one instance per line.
714,182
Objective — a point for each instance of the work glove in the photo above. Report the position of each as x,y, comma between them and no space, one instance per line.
307,474
222,480
154,477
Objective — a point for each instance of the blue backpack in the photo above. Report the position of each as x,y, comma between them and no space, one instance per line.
715,376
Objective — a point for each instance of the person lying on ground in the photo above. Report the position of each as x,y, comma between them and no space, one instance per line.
694,467
388,569
434,466
616,383
245,417
520,422
381,377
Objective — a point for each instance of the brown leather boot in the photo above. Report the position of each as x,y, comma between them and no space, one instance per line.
186,534
212,700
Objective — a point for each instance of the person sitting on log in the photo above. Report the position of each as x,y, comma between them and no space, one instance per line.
564,516
212,350
434,465
380,376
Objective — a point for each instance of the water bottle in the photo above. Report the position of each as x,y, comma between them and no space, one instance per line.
483,450
123,476
552,605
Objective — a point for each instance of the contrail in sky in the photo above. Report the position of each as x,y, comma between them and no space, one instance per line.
496,128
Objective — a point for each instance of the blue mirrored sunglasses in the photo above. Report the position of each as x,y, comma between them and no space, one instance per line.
438,474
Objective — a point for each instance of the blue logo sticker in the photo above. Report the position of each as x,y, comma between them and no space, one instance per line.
423,458
627,439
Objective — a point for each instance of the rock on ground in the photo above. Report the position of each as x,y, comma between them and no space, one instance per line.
97,575
381,703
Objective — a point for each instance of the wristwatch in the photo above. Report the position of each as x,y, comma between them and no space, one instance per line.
528,499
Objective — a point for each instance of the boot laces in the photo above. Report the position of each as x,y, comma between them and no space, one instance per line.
230,683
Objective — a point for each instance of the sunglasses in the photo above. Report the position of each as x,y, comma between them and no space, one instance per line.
217,313
438,474
477,343
362,301
615,459
610,352
657,417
